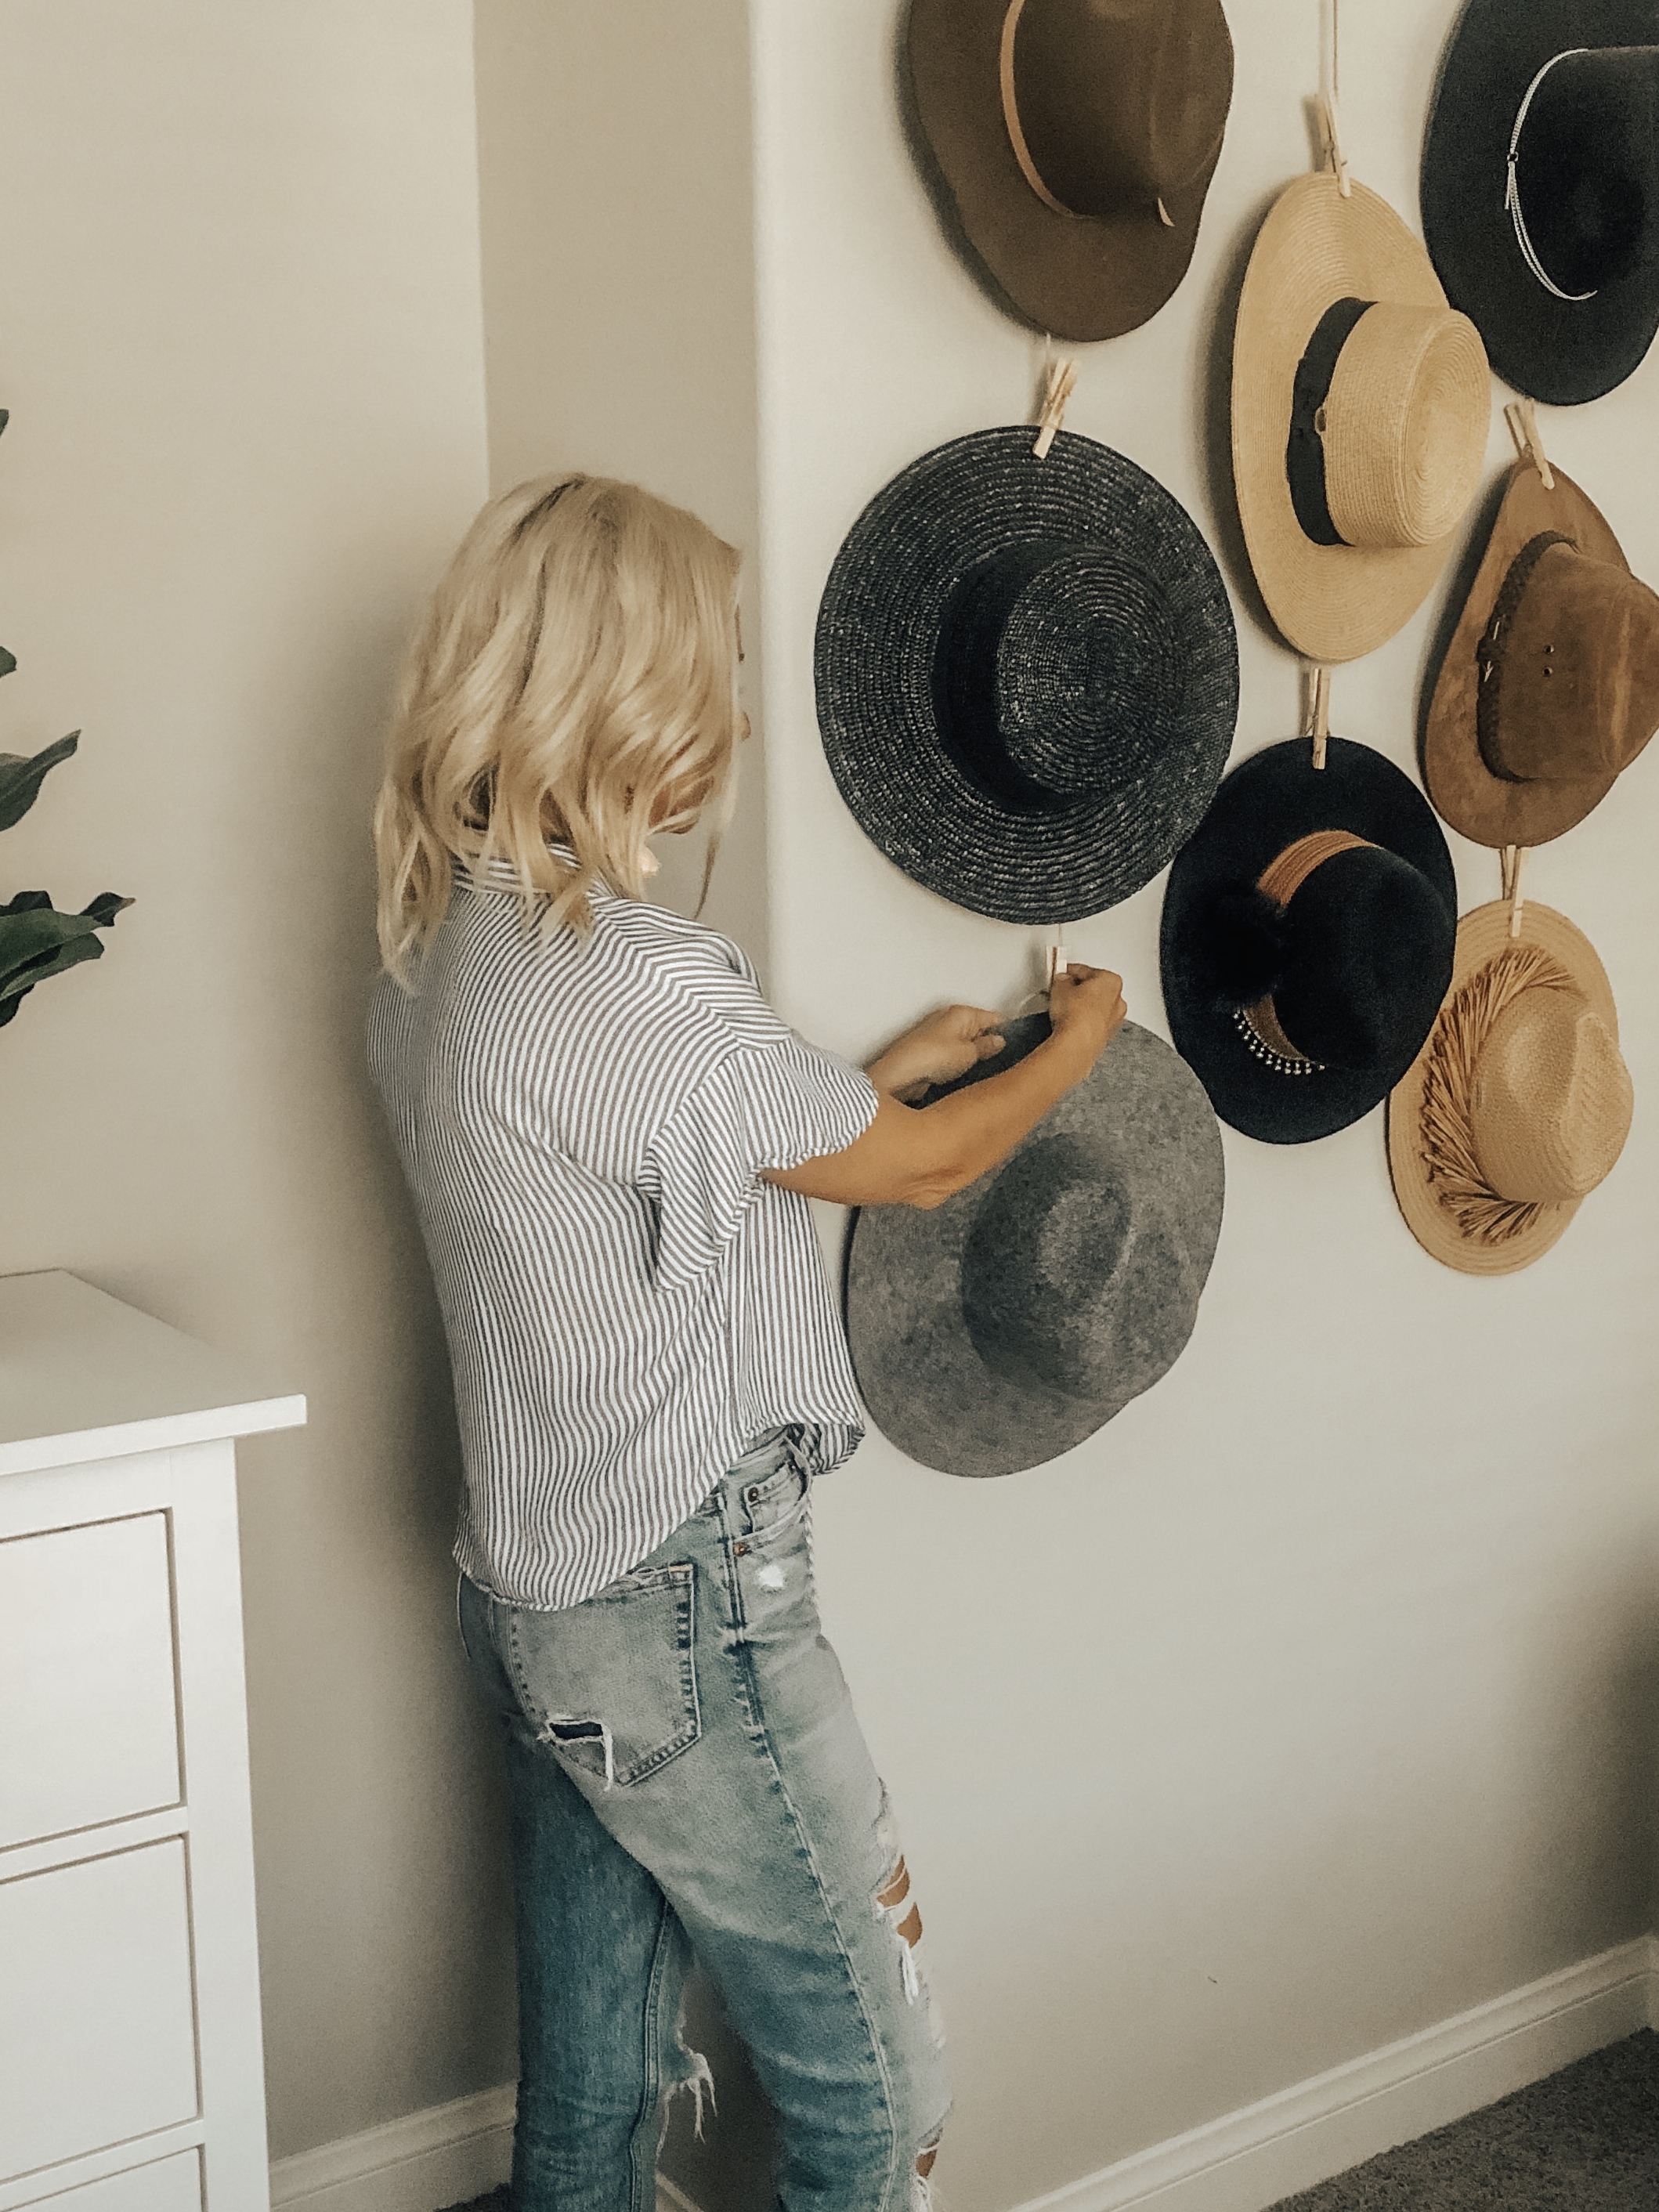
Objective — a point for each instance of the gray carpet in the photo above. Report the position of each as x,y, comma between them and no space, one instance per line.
1584,2140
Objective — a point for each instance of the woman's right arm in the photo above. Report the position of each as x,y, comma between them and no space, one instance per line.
922,1155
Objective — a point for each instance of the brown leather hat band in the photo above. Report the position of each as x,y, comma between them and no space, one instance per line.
1282,878
1010,115
1280,881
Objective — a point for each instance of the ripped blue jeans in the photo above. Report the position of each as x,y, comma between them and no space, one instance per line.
687,1774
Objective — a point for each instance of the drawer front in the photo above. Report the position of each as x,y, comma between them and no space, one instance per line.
97,2028
89,1720
171,2185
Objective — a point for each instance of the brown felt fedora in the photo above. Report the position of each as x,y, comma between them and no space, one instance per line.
1550,686
1519,1103
1078,139
1362,405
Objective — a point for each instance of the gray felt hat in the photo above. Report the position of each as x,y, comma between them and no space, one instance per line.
1000,1329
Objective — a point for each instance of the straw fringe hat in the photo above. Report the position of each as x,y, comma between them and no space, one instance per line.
1519,1103
1362,405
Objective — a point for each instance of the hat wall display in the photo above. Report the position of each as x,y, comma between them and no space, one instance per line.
1550,685
1078,139
1541,187
1519,1103
998,1330
1362,405
1307,939
1027,675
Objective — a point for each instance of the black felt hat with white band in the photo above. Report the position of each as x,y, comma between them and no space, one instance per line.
1308,936
1027,674
1541,188
998,1330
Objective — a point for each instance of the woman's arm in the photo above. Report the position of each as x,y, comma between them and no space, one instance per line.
921,1156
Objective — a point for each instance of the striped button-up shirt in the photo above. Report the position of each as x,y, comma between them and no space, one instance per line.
583,1123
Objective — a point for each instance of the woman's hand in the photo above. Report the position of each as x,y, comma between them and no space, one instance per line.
946,1045
1086,1008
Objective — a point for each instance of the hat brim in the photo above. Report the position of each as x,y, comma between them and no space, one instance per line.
877,633
1269,801
1561,351
1492,808
1073,275
1332,603
1481,937
925,1386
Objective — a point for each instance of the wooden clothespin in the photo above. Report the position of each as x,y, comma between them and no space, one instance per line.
1057,962
1523,418
1319,710
1513,858
1330,130
1062,375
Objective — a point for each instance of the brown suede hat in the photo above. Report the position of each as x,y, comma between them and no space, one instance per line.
1078,139
1550,686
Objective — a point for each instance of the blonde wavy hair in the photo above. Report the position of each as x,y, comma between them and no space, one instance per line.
574,681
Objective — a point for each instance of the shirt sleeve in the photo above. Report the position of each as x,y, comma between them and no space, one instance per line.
763,1106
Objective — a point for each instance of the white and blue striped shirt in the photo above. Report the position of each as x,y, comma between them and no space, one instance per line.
583,1123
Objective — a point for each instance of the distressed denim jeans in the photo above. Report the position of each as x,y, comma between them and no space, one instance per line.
687,1775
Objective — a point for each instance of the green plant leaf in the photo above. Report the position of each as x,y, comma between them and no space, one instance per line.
16,987
33,944
7,661
5,416
104,908
27,903
21,778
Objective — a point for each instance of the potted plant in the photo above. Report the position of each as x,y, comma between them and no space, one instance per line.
36,940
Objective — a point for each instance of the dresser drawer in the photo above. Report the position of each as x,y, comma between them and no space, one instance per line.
88,1720
97,2028
171,2185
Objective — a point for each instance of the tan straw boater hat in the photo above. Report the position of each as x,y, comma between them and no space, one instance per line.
1519,1103
1550,686
1362,405
1076,139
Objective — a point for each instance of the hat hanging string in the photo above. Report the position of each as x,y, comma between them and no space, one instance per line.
1057,378
1319,710
1329,100
1523,418
1512,859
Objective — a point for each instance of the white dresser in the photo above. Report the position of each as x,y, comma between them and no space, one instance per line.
131,2077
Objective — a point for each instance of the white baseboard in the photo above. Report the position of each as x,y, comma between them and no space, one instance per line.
1249,2159
443,2155
1241,2162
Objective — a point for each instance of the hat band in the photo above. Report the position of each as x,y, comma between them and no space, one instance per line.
1280,881
1028,167
1512,190
1304,452
1489,653
1444,1133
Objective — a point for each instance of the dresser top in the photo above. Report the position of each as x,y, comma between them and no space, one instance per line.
84,1377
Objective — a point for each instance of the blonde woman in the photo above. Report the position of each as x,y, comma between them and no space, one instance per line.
609,1138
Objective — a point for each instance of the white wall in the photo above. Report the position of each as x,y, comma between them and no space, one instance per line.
242,352
1311,1701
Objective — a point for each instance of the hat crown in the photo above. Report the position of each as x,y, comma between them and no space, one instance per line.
1121,103
1367,959
1551,1100
1405,425
1587,165
1067,1260
1569,668
1059,670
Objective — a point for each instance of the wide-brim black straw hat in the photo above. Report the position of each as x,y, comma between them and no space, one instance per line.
1308,936
1027,675
1541,188
998,1330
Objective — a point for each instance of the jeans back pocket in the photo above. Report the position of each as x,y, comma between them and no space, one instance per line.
611,1685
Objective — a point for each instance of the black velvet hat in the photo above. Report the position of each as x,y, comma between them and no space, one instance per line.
1541,188
1027,674
1001,1328
1308,936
